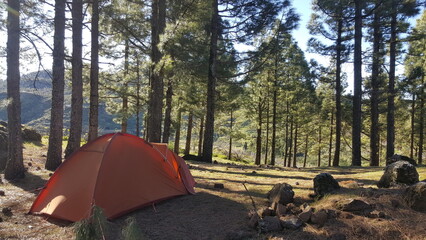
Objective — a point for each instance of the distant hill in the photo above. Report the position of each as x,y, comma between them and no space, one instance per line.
36,103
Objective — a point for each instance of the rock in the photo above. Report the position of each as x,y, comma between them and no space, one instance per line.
7,211
319,218
30,164
337,236
267,211
219,186
2,193
325,183
331,213
347,215
415,196
292,208
31,135
215,162
305,215
269,224
291,222
281,210
396,158
281,193
354,205
398,172
253,221
376,214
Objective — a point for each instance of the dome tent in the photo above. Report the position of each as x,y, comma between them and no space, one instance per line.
117,172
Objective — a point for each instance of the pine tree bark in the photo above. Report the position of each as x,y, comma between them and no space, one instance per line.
413,114
211,84
124,97
338,90
296,127
422,120
230,135
168,111
74,138
158,23
15,163
200,137
319,145
267,130
138,88
54,151
274,126
259,133
305,157
286,134
356,111
390,118
375,74
290,148
189,134
94,74
177,135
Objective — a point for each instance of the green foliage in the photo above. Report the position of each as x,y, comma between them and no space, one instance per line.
132,231
92,228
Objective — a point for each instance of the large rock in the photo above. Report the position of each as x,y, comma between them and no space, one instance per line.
30,135
281,193
291,222
269,224
415,196
399,172
396,158
325,183
354,205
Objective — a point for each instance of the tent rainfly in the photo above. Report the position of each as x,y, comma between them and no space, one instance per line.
117,172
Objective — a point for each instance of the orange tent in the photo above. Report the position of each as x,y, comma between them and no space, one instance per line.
117,172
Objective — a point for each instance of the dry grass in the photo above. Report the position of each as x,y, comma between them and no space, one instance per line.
216,213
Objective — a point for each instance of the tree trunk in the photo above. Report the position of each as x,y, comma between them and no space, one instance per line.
319,145
230,136
259,133
74,138
177,135
306,151
138,88
390,118
211,84
295,145
356,111
286,134
267,130
125,98
155,111
336,159
168,112
54,152
200,137
413,112
374,131
330,142
15,163
274,126
422,120
189,134
290,147
94,73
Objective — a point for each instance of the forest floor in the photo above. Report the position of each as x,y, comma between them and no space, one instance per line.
223,213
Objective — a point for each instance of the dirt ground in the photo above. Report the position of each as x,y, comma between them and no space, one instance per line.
222,213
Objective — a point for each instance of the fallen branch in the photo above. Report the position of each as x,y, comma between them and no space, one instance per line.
252,201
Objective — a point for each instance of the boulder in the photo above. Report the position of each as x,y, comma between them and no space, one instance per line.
269,224
354,205
30,135
281,210
415,196
254,221
305,216
291,222
193,157
396,158
281,193
325,183
398,172
319,218
266,211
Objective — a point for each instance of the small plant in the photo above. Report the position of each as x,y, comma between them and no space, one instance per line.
132,231
93,227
